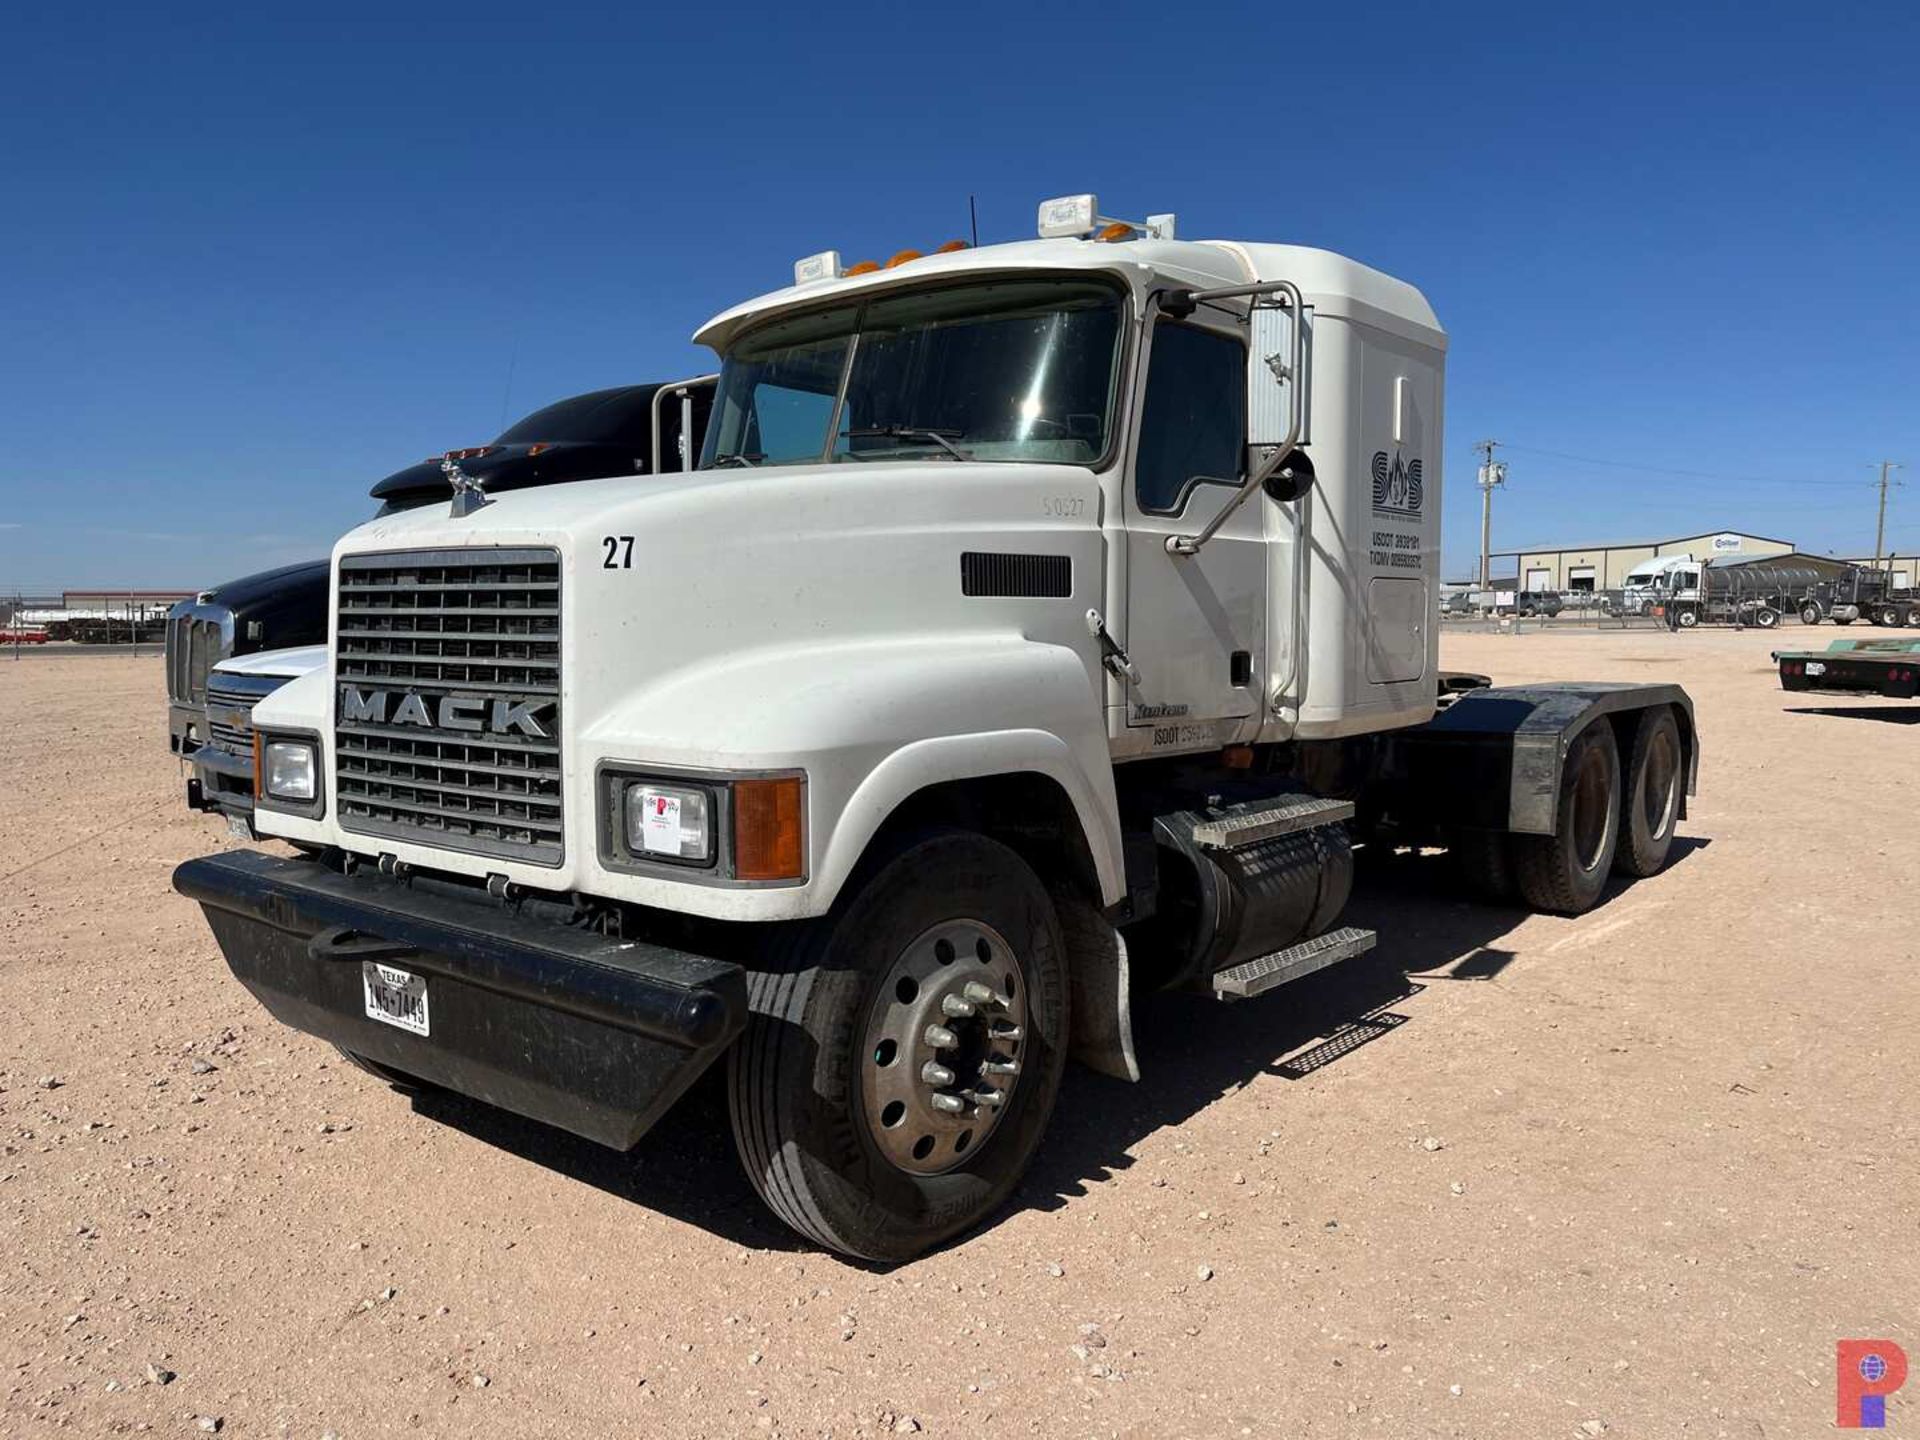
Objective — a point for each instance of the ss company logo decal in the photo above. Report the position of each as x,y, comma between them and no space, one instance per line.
1397,487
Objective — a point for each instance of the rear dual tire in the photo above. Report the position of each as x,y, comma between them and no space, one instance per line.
1655,780
1564,873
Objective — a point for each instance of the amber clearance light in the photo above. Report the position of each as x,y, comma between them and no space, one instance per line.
767,841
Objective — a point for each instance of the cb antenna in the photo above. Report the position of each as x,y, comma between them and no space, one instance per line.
973,222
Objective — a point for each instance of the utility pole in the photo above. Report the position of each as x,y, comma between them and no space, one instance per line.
1880,527
1492,472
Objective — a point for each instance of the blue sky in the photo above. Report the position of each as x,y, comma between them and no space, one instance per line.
250,265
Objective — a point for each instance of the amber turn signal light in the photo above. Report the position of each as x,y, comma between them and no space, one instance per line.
767,833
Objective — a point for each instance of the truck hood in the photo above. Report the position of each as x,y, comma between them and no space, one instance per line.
283,664
693,573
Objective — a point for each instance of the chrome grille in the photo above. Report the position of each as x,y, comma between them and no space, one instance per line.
478,626
197,640
230,702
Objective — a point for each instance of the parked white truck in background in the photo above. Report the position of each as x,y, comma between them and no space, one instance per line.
1045,620
1644,588
222,762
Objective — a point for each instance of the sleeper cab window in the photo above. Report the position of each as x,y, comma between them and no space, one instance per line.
1193,425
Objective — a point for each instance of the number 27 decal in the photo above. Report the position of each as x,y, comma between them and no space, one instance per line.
619,552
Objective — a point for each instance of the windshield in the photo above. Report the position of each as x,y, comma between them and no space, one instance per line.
1019,371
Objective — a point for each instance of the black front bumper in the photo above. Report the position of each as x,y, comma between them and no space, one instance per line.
221,783
563,1025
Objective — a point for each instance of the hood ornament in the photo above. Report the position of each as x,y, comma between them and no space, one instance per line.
469,494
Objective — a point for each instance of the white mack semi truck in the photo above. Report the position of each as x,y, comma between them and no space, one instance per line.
1044,622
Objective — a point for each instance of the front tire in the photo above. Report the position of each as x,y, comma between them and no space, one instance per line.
1687,619
1810,615
870,1097
1564,873
1766,617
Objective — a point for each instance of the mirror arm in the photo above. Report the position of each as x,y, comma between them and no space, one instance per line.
1290,296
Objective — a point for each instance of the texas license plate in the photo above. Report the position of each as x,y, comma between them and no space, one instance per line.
395,997
239,827
1814,667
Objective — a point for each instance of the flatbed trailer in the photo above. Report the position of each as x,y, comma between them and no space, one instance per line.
1872,667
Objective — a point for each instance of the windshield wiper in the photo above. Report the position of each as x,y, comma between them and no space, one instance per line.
743,457
943,438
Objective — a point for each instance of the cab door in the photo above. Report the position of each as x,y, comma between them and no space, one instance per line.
1196,624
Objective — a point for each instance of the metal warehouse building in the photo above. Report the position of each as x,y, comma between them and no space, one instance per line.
1604,566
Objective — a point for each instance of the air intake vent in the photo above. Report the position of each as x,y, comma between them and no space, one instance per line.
1042,576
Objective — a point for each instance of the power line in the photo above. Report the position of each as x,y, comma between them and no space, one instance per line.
1651,470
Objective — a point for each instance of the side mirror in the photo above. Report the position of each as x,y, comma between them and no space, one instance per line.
1276,348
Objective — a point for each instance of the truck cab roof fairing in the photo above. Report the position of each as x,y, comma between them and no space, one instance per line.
1331,283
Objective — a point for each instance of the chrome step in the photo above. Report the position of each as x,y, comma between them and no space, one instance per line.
1256,977
1238,830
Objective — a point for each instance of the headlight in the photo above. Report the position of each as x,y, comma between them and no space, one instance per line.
289,771
674,822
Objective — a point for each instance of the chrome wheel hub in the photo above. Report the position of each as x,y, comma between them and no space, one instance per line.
943,1046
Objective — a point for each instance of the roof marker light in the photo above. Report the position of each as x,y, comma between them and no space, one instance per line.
903,257
1069,217
951,247
1066,216
814,268
865,267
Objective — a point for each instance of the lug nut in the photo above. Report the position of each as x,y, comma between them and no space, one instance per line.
947,1104
956,1007
1009,1033
936,1074
992,1099
940,1038
999,1067
983,994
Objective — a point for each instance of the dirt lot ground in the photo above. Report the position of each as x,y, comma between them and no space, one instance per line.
1630,1174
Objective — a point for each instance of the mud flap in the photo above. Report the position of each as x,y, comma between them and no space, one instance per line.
1097,964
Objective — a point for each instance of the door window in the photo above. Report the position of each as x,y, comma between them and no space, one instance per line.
1194,423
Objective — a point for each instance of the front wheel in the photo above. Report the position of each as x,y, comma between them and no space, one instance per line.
1810,615
1766,617
1687,619
1564,872
900,1066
